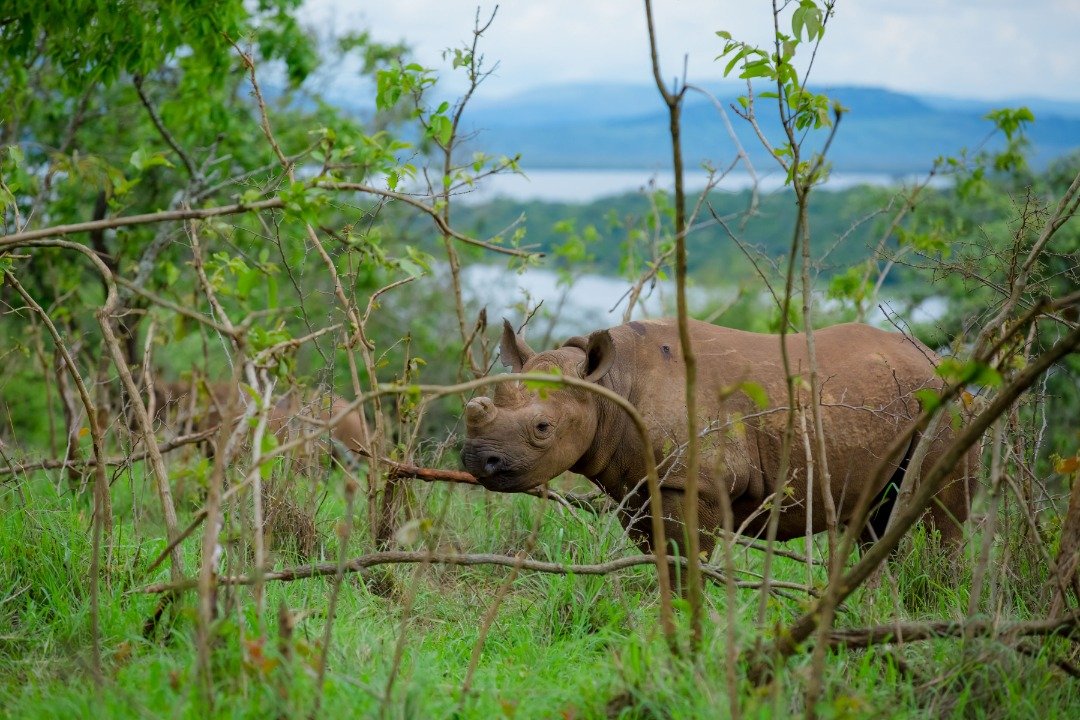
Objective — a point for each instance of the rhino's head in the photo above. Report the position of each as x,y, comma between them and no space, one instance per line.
520,439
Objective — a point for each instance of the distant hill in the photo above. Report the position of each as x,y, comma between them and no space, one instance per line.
624,126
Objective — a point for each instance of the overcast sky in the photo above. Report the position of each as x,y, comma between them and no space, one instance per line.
986,49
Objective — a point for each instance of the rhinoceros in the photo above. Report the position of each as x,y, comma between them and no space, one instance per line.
521,439
297,413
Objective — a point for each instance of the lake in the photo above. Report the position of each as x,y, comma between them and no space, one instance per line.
597,301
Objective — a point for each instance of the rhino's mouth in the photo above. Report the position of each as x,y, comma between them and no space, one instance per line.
494,471
505,483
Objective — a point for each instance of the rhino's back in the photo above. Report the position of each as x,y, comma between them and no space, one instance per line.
852,357
867,378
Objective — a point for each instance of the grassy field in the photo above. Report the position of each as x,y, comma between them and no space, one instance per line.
403,636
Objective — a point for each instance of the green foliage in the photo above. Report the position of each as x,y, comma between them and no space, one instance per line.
956,372
1010,121
851,285
800,108
573,253
397,81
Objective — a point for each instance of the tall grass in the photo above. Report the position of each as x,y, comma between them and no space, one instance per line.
560,646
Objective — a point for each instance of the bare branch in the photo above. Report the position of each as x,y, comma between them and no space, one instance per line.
900,633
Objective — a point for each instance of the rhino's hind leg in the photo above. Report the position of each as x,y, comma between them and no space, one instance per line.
949,508
951,505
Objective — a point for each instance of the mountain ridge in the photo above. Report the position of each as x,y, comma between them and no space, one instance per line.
624,125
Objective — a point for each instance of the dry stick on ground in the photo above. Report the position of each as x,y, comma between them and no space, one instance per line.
789,640
409,557
102,505
1035,653
899,633
673,100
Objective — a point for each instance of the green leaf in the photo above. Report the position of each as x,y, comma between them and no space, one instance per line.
758,68
735,59
798,21
410,268
269,442
1010,121
853,284
928,398
441,129
15,155
755,392
958,372
142,160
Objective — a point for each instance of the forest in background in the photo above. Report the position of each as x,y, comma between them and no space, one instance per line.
164,220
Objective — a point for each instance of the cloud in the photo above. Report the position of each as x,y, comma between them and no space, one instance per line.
965,48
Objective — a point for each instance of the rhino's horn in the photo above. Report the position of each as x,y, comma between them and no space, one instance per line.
479,411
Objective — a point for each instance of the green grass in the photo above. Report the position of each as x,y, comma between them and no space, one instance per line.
560,646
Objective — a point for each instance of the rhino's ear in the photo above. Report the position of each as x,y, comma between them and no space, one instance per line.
599,356
513,349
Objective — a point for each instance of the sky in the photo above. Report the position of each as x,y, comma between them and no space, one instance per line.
980,49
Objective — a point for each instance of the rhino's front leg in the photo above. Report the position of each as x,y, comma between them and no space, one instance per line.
673,501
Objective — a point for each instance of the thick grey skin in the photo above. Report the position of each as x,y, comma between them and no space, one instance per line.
867,376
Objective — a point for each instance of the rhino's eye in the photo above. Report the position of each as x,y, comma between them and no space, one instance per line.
543,427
